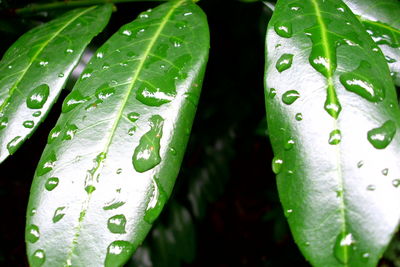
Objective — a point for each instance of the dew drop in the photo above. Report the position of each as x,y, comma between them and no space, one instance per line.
51,183
299,117
32,233
116,224
73,100
360,164
113,205
333,108
385,171
38,97
396,182
36,114
14,144
99,55
277,163
69,51
283,29
119,171
343,247
118,252
28,124
382,136
90,189
33,212
371,187
289,144
290,96
54,133
147,154
284,62
156,202
58,214
38,258
60,75
43,63
335,137
272,93
3,122
47,164
133,116
70,131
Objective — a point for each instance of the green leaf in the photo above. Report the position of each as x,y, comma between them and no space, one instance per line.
35,68
332,117
118,145
381,20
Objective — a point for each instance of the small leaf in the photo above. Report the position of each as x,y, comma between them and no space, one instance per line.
381,20
30,80
119,143
341,123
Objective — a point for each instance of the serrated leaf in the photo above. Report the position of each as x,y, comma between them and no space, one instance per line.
35,68
332,117
117,147
381,20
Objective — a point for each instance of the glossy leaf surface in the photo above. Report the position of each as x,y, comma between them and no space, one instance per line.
35,68
115,152
381,20
333,122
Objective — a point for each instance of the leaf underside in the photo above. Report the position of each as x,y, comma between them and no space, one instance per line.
35,68
112,159
332,117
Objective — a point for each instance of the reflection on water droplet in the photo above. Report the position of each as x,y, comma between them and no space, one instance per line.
382,136
151,96
58,214
38,258
133,116
69,51
385,171
32,233
283,29
51,183
335,137
277,163
272,93
371,187
289,144
299,117
333,108
288,212
396,182
54,133
290,96
36,114
28,124
70,131
60,75
38,97
156,201
99,55
118,252
72,100
46,164
343,247
14,144
33,212
43,63
284,62
116,224
147,154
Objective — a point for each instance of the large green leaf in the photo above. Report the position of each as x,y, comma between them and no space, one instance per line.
333,116
381,20
35,68
115,152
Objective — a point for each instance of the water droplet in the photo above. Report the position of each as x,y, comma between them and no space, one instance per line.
133,116
36,114
132,130
69,51
116,224
143,16
299,117
104,92
28,124
113,205
33,212
289,144
3,122
272,93
333,108
284,62
288,212
362,82
187,14
277,163
43,63
38,258
72,100
51,183
382,136
119,171
47,164
151,96
58,214
335,137
156,202
38,97
360,164
290,96
54,133
181,25
294,7
343,247
385,171
70,131
90,189
93,174
118,252
283,29
147,154
396,182
99,55
106,66
390,60
14,144
32,233
365,256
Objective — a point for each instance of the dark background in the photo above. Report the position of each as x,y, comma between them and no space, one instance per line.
224,210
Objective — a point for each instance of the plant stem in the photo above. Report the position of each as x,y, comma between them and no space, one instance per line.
71,3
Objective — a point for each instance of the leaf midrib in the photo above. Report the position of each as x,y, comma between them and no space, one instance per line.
40,50
119,115
326,47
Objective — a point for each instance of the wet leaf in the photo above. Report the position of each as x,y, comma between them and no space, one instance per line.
335,135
